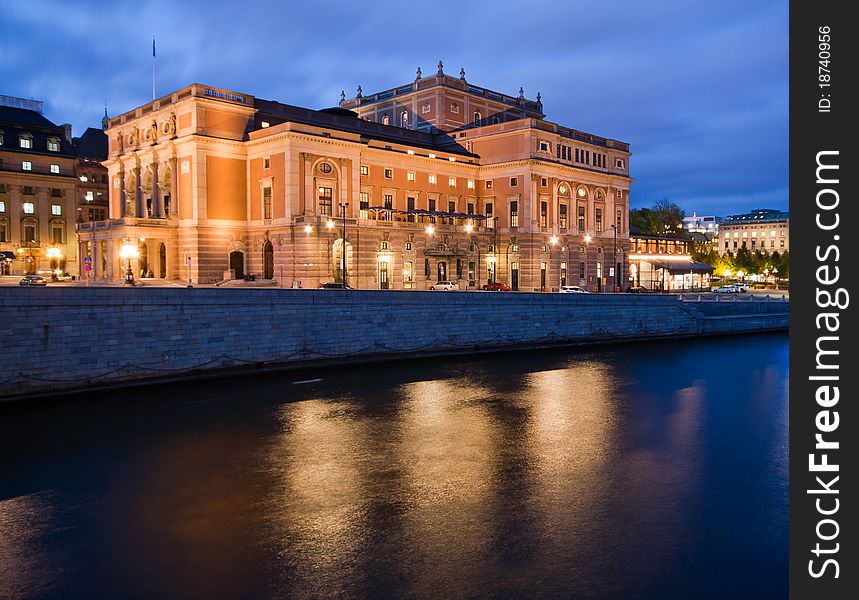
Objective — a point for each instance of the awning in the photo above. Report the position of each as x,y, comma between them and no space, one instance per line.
678,268
4,254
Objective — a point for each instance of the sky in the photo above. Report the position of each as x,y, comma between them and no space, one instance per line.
699,89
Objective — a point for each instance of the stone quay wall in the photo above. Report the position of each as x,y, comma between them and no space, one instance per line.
55,340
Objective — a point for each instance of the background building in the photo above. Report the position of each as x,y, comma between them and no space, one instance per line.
708,225
762,229
434,180
664,263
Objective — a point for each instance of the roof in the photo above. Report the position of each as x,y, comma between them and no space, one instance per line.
758,215
678,268
92,144
22,116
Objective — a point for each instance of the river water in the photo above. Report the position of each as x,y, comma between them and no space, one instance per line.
644,470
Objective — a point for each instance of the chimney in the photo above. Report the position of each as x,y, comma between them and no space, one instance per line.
67,130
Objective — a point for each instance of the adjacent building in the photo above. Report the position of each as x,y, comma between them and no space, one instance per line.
664,263
434,180
764,230
37,191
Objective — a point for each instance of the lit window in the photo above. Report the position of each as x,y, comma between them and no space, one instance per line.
454,108
266,162
471,184
26,165
55,169
89,196
266,202
29,208
25,140
2,206
410,152
84,178
410,175
433,179
404,119
326,198
514,213
265,124
451,181
58,232
365,170
488,184
53,145
431,155
56,209
425,109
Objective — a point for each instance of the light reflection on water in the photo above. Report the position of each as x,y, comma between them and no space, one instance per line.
623,472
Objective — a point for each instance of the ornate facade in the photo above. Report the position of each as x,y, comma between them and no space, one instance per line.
435,180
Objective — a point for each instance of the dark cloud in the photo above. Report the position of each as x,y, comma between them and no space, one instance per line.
699,89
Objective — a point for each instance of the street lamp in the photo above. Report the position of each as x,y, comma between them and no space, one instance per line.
54,254
343,207
616,264
129,251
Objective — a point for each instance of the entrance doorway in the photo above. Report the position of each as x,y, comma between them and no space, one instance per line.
162,261
383,276
237,264
442,271
268,261
514,276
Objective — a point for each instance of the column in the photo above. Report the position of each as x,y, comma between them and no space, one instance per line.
139,202
43,213
157,197
14,212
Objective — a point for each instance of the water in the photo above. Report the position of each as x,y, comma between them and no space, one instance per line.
649,470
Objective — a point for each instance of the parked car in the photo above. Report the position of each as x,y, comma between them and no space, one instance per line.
335,286
32,280
726,289
572,289
496,286
444,285
637,289
741,287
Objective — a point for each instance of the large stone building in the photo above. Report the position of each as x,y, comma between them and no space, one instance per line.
435,180
37,191
759,230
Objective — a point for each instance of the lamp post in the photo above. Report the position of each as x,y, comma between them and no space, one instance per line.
54,254
129,251
343,207
587,253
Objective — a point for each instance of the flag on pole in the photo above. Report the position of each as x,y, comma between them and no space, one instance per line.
153,46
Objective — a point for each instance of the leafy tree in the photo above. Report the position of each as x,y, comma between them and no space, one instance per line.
662,218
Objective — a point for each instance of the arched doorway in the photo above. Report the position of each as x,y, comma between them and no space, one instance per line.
143,260
268,261
162,261
237,263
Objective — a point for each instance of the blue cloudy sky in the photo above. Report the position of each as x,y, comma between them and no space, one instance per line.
698,88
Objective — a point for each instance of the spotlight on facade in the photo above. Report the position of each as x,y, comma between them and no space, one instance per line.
554,240
430,230
330,224
308,229
469,228
587,239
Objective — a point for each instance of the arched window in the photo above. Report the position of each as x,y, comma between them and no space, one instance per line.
4,231
599,196
404,119
476,119
495,120
386,120
29,230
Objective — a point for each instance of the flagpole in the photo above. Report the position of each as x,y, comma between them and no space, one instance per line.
153,67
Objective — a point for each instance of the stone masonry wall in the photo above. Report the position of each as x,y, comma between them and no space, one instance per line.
56,339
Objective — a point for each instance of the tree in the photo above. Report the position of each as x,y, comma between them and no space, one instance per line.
664,217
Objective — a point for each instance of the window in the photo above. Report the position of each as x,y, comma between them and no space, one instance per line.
389,204
488,184
408,247
89,196
431,208
514,248
25,140
56,193
26,165
433,179
454,108
514,213
471,271
56,209
2,206
495,120
514,181
410,175
29,232
470,184
598,217
58,232
544,182
408,273
490,221
581,218
477,119
451,181
364,204
53,145
266,202
29,208
27,190
451,206
544,147
618,163
544,214
426,267
386,120
389,173
1,137
563,216
469,208
410,206
365,170
266,162
404,118
55,169
619,219
4,235
425,109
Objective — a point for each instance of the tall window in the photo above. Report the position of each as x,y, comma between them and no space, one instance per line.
410,175
581,218
433,179
266,203
326,199
365,170
598,217
364,204
619,219
4,231
431,208
514,213
490,220
29,232
563,274
58,231
472,267
404,119
451,181
563,216
410,206
544,214
408,272
451,206
469,208
477,119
